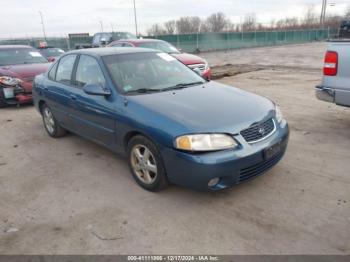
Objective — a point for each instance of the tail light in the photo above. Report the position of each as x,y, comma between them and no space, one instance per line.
331,64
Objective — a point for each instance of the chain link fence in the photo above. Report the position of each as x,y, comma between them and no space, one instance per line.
202,42
223,41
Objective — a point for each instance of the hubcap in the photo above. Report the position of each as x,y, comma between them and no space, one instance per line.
49,121
144,164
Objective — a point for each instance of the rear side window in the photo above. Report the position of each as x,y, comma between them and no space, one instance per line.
65,69
89,72
52,73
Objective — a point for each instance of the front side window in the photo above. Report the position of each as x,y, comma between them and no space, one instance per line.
65,69
20,56
89,72
149,71
52,73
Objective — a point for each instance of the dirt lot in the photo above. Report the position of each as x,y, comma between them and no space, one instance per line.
70,196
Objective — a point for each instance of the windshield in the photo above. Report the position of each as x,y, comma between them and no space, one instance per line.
162,46
51,52
20,56
150,72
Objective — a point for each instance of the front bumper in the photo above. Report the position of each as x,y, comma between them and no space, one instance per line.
231,166
332,95
19,96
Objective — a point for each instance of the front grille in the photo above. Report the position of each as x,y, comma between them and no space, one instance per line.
258,169
259,131
201,67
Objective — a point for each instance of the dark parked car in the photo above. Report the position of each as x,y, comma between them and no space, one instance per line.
18,67
51,53
171,124
103,39
344,30
192,61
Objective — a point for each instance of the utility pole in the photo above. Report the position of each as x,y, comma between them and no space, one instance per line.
135,19
101,25
323,13
42,24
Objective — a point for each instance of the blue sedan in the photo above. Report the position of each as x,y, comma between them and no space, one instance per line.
173,126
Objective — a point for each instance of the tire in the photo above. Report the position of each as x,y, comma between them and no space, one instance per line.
50,123
149,173
2,99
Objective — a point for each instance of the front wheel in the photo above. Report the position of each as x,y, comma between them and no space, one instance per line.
146,164
50,123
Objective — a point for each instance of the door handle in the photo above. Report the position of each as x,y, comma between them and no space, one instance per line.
73,97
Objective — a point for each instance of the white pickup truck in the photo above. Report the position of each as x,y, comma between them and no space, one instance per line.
335,86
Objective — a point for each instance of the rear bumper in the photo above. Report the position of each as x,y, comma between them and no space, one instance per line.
332,95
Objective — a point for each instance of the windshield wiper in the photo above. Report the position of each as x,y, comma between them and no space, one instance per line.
183,85
143,91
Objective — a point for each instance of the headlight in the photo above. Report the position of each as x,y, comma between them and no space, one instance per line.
206,65
9,81
279,115
205,142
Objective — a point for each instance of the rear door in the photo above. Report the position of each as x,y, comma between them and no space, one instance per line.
94,116
57,90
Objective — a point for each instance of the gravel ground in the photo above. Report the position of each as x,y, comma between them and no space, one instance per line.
71,196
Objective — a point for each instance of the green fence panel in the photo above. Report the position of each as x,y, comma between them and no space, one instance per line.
203,42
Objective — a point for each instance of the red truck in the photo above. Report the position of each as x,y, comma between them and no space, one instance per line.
192,61
19,65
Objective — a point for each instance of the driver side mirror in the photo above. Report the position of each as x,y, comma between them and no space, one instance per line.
96,90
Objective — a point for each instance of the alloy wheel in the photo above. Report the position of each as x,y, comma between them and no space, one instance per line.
49,120
143,164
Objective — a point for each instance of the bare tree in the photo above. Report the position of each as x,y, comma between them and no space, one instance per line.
288,23
249,23
310,19
217,22
155,30
170,27
333,21
347,12
188,24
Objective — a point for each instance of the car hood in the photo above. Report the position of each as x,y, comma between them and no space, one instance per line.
212,107
24,72
189,59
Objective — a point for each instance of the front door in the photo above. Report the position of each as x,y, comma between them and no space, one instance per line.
93,116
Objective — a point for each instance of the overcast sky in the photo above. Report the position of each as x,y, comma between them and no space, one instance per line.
21,17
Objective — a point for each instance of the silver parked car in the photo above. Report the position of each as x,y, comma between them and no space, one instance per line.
335,86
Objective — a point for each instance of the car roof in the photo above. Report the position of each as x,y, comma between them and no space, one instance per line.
15,46
106,51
